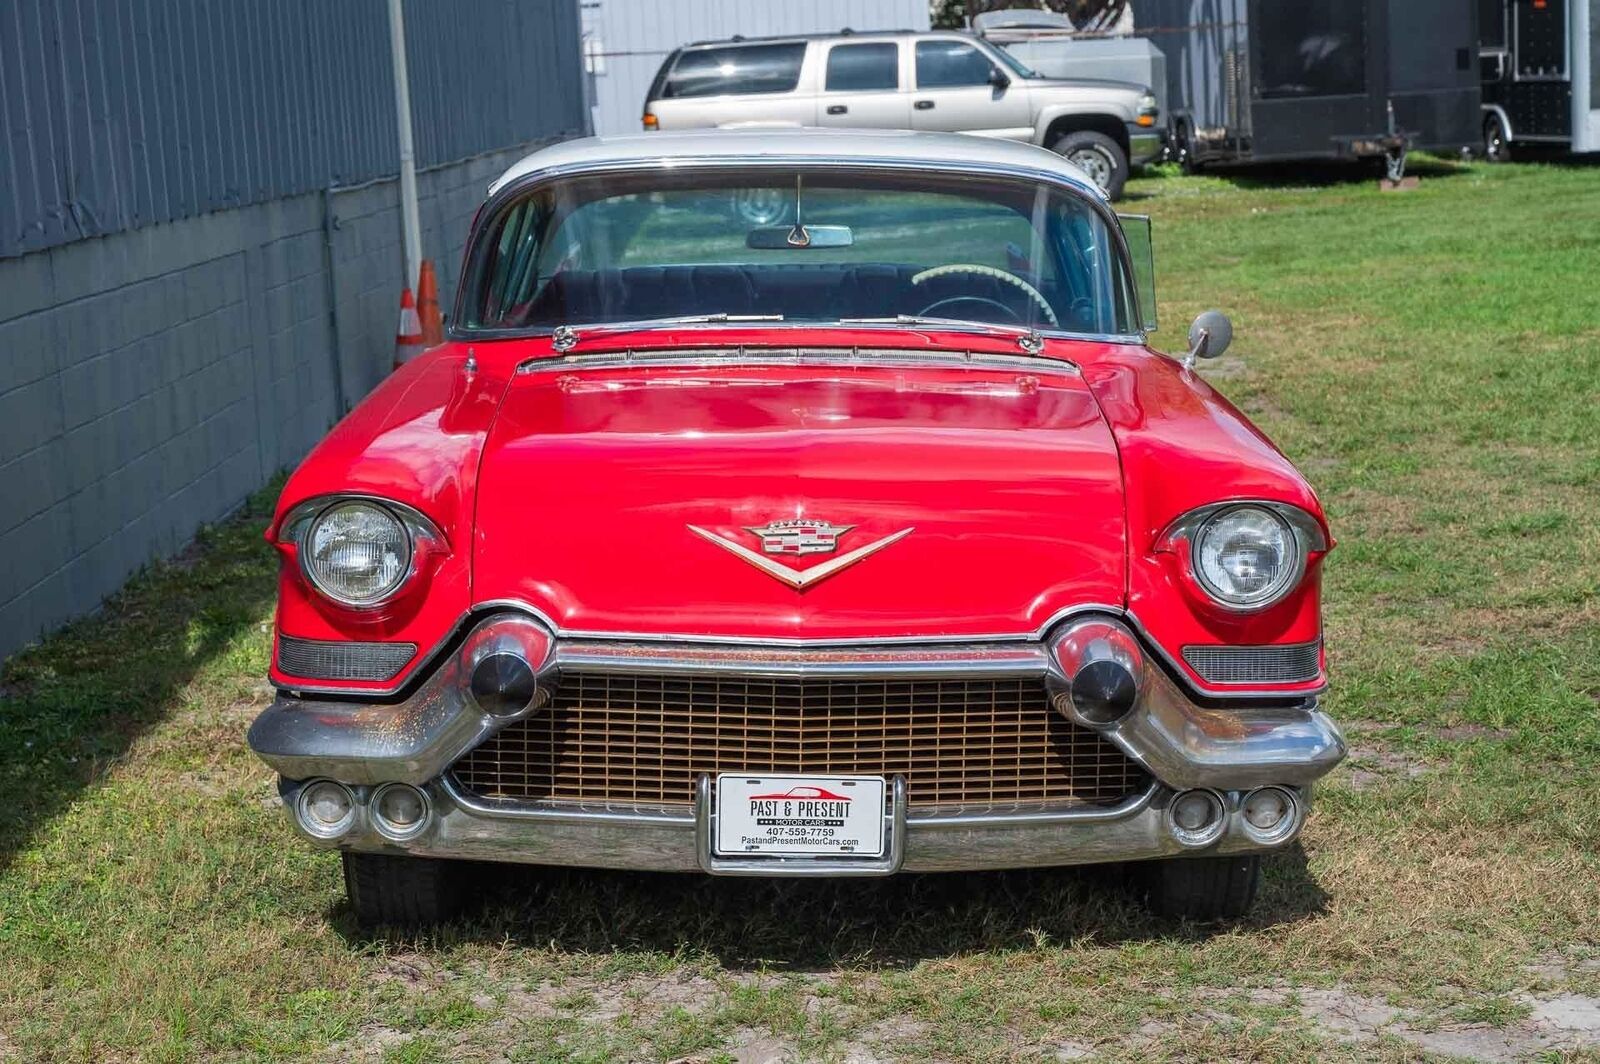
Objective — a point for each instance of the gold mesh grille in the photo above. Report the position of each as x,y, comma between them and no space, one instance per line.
623,738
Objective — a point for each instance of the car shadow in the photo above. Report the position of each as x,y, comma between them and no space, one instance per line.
823,924
72,705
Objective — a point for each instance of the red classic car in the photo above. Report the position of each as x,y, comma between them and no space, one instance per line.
883,496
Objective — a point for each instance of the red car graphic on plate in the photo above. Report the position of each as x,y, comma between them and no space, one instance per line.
803,792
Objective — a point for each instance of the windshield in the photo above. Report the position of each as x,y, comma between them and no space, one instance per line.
1017,66
800,246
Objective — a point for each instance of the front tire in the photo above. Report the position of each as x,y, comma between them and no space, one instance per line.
391,891
1098,156
1200,888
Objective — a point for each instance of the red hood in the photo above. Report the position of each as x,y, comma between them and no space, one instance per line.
591,480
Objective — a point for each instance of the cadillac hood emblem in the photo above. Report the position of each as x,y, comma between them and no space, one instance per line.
799,536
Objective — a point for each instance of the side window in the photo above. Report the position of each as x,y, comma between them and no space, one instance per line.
951,64
863,67
738,69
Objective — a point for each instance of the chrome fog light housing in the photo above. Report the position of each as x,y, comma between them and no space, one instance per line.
1196,818
504,665
325,809
1269,814
400,811
1098,672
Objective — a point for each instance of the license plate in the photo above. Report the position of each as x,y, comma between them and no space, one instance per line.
840,816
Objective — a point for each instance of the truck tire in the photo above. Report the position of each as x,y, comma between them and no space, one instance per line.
1200,888
1496,147
391,891
1098,156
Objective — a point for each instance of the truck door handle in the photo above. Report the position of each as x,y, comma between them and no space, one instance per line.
838,109
923,105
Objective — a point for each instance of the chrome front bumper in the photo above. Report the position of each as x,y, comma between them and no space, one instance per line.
1144,144
1182,744
678,839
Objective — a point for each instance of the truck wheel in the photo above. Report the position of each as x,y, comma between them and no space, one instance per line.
401,891
1098,156
1496,149
1200,888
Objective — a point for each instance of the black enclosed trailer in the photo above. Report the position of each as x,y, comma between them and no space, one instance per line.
1541,74
1262,80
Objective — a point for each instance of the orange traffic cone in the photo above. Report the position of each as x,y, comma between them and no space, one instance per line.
428,305
408,337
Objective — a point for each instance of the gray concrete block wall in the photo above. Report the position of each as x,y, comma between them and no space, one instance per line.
150,380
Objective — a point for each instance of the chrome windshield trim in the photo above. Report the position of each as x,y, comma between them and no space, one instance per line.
712,357
997,660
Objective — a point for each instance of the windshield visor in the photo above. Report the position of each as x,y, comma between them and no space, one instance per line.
800,246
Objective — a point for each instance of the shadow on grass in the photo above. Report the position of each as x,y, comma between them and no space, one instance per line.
823,924
1328,173
72,705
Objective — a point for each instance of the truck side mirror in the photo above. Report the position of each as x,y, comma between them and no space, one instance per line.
997,78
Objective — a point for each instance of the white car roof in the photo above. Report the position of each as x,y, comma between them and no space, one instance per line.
803,146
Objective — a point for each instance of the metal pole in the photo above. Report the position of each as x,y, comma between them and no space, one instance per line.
410,224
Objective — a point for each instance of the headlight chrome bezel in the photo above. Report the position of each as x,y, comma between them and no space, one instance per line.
1185,537
421,535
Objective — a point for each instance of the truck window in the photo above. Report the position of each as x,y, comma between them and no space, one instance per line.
950,64
863,67
736,70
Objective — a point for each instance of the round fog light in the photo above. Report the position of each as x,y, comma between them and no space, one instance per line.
326,809
399,810
1269,814
1195,817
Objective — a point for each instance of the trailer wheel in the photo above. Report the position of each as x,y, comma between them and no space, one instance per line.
1098,156
1496,148
1184,138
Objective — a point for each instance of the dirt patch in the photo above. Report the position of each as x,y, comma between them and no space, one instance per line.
749,1046
1371,765
1461,733
1558,1023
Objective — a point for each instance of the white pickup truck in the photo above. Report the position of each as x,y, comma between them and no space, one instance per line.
943,81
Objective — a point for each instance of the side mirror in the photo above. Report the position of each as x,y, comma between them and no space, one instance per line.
998,79
1209,336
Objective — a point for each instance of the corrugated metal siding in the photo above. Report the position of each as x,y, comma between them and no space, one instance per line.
632,37
114,115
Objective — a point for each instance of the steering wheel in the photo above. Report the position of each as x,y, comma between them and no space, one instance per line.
1011,315
987,271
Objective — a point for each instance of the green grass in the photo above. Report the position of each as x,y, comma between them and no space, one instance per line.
1430,358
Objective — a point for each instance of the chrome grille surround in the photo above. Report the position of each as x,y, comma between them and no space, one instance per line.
636,737
317,659
1295,663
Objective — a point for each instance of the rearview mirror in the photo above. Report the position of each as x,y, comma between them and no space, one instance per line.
1210,335
786,237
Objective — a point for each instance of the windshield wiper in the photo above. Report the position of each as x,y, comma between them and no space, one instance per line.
565,337
1028,338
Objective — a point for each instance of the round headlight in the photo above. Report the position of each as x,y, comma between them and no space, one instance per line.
1247,557
357,553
